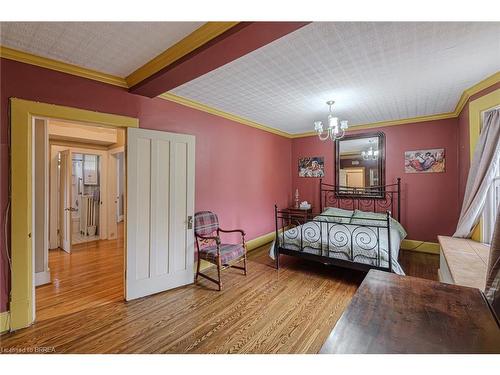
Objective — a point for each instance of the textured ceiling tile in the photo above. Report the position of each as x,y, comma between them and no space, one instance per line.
374,71
116,48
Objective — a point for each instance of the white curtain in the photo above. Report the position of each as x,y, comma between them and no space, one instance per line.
481,173
492,289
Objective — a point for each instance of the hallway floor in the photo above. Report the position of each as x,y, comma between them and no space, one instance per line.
78,238
92,275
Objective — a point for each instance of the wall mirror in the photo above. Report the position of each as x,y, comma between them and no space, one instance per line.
360,165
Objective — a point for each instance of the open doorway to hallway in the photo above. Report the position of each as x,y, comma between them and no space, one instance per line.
79,188
158,210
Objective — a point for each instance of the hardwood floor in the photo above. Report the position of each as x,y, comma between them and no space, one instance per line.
91,276
419,264
287,311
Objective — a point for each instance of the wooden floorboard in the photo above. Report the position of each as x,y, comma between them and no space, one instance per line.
91,276
419,264
287,311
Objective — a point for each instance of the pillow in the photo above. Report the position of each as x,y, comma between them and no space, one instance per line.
341,216
368,218
376,219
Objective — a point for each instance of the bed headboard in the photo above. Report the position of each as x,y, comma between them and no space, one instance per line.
365,199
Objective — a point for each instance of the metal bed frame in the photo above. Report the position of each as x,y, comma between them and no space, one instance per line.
374,199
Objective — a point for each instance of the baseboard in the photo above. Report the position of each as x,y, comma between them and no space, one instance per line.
204,265
411,245
21,313
420,246
4,321
42,278
261,241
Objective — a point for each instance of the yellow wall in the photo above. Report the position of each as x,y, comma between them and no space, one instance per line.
4,321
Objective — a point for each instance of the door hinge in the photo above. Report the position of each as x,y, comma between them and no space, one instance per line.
190,222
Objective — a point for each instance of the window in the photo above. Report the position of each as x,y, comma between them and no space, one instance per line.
491,207
492,203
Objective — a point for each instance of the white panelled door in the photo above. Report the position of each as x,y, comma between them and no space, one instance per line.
160,208
65,204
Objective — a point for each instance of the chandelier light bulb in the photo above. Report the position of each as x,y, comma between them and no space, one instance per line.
333,130
370,154
318,126
333,122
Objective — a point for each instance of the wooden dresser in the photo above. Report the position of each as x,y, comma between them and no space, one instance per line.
401,314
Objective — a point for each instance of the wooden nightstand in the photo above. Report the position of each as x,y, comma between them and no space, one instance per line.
298,215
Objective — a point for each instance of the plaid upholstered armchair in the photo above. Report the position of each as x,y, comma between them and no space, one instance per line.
210,248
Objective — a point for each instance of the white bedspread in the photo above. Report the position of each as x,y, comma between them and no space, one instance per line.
335,239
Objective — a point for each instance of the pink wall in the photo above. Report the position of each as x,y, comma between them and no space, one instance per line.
423,195
241,172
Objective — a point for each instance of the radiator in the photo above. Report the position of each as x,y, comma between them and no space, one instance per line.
88,213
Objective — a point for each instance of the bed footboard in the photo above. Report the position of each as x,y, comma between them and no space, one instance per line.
329,239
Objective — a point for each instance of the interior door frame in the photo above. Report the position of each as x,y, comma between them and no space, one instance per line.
103,183
66,223
41,277
111,217
22,115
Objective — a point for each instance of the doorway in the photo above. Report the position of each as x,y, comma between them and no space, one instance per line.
85,255
353,177
159,191
85,198
77,186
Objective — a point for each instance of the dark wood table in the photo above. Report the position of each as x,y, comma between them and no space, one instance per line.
298,215
401,314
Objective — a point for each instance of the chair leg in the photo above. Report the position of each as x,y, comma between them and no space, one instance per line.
197,269
245,263
219,266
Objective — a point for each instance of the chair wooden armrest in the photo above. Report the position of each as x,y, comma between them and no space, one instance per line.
232,230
